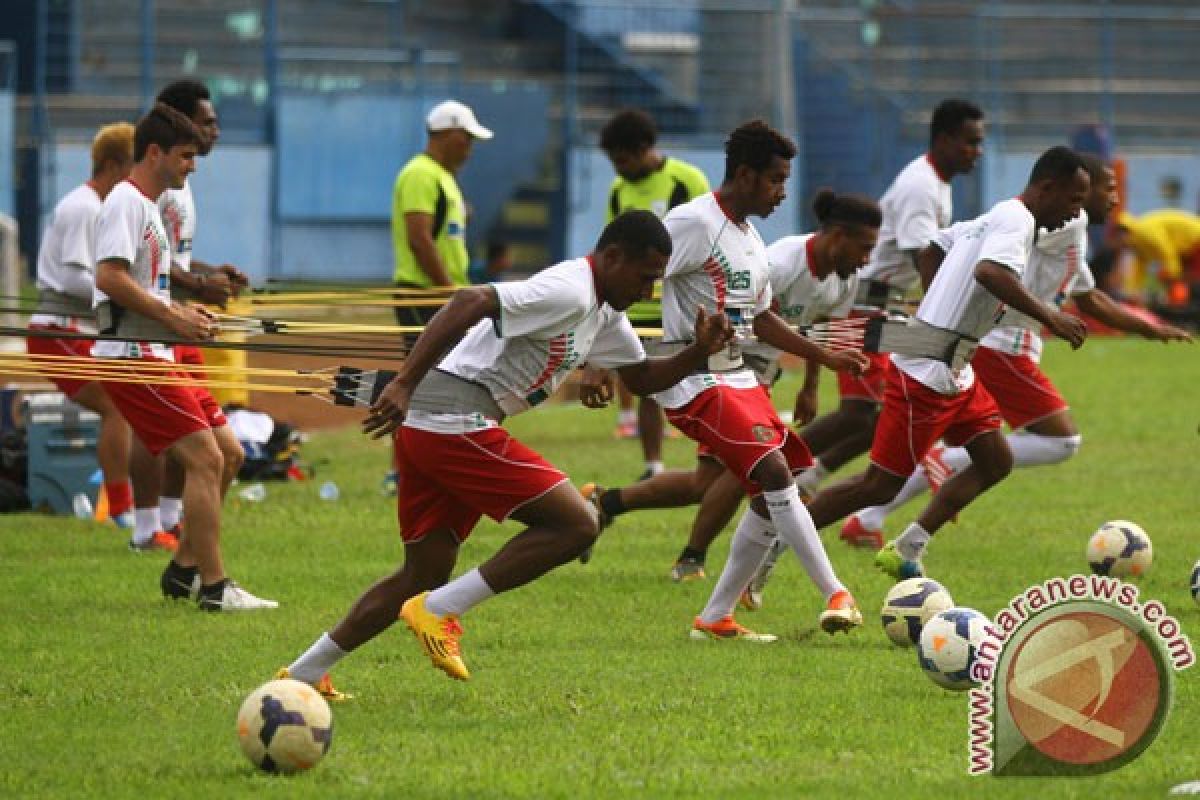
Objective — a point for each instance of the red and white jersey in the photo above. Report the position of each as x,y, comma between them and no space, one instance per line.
957,302
130,229
1058,270
548,325
719,266
178,210
801,297
65,259
915,207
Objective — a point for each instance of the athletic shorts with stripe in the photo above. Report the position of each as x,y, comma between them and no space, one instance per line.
450,480
192,359
1022,391
163,413
739,427
870,385
45,346
914,417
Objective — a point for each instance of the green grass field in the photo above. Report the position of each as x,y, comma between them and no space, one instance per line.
584,683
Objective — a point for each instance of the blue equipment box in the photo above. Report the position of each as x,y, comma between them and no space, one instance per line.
62,440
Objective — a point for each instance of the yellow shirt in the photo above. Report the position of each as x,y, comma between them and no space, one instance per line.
1162,237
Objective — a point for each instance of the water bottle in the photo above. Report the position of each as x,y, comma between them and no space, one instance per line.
329,491
81,504
255,493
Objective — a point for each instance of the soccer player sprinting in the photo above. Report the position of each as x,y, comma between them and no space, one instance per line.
519,341
812,276
1007,361
133,302
918,203
65,281
930,397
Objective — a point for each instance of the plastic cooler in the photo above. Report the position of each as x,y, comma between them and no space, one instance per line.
62,450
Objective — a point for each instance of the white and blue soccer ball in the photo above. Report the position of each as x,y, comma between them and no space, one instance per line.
1196,582
1120,549
949,645
909,605
285,726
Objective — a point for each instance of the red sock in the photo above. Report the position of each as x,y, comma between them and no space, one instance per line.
120,497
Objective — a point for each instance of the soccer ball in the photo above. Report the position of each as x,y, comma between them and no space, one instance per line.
1118,549
948,645
285,726
909,605
1196,582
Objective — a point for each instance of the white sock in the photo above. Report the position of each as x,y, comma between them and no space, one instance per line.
654,467
171,511
795,526
810,480
912,543
459,595
873,518
627,417
956,458
1034,450
316,660
146,523
751,541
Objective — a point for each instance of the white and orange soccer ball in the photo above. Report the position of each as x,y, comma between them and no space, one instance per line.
285,726
1120,549
949,645
1196,582
909,605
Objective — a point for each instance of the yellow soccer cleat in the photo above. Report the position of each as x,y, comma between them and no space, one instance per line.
841,614
438,635
324,686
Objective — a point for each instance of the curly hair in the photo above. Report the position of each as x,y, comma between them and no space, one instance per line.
754,144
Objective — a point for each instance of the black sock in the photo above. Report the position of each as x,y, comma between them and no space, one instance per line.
185,574
693,554
212,591
610,503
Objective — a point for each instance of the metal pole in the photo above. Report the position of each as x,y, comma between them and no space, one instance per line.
271,67
568,124
1107,110
44,157
147,54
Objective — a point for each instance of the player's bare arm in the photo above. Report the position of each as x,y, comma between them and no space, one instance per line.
772,329
805,410
929,261
1100,306
419,227
595,387
466,307
1004,285
713,333
113,278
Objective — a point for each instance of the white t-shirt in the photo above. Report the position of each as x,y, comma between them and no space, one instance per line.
66,253
915,207
129,228
178,210
802,298
1058,270
720,267
956,301
548,325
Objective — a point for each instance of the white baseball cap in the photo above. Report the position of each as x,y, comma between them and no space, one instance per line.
451,115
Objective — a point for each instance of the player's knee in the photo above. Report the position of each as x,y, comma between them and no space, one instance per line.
772,472
233,457
996,468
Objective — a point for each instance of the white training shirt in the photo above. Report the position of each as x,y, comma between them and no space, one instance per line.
178,210
129,228
801,296
1058,270
66,252
915,207
956,301
548,325
720,267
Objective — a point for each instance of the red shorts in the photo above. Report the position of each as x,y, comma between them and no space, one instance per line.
868,386
192,359
914,417
739,427
449,480
162,414
1018,385
44,346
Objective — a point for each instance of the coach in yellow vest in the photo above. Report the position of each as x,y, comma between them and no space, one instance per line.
429,218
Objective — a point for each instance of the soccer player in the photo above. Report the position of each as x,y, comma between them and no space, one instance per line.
915,207
65,279
191,279
133,302
930,397
812,276
519,341
1007,361
646,180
